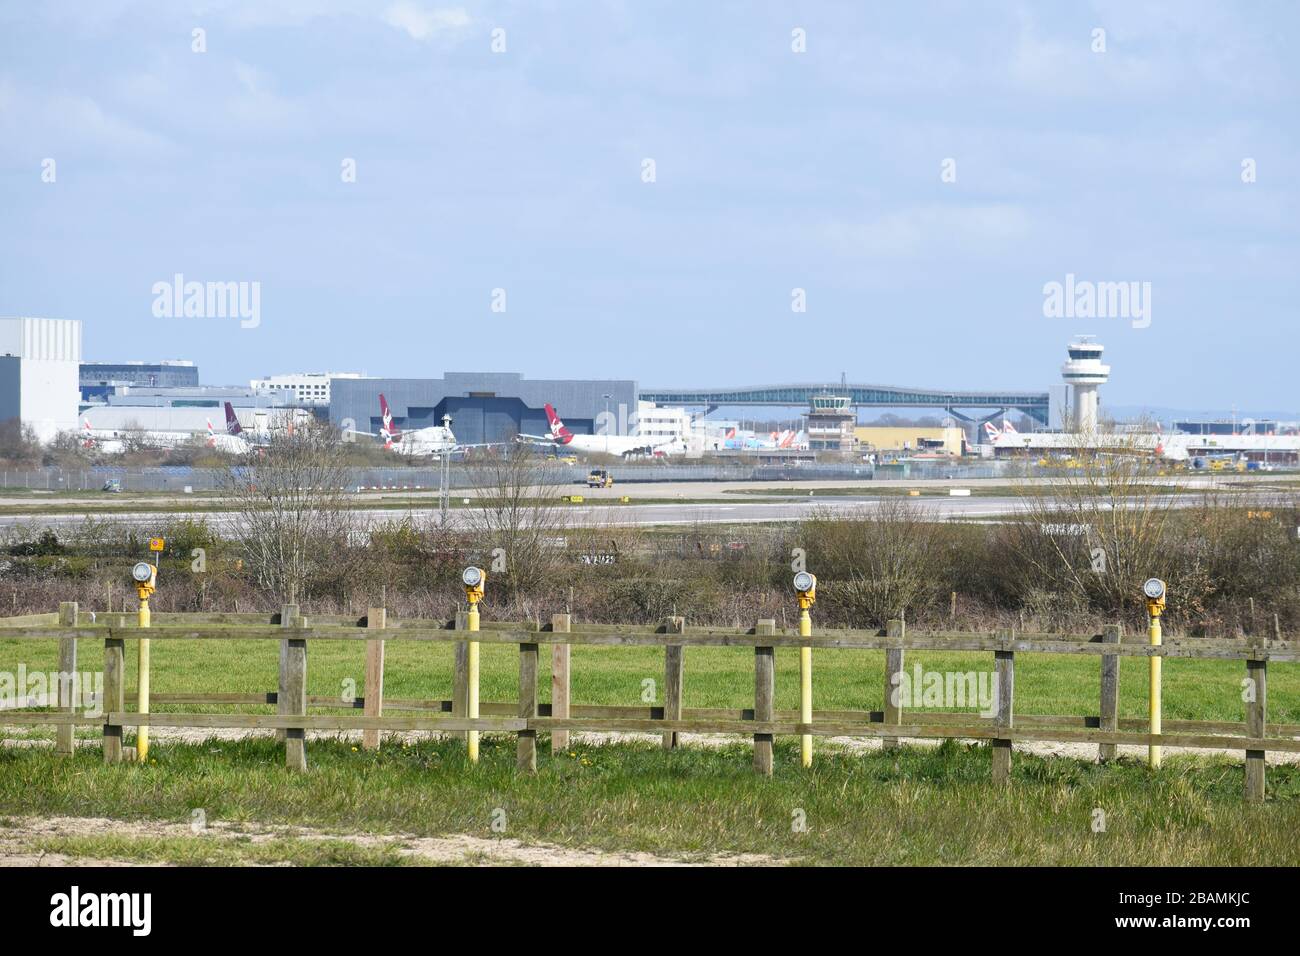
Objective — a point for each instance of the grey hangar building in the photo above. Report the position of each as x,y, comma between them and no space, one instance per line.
484,406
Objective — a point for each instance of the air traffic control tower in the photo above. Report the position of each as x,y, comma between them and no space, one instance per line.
1083,373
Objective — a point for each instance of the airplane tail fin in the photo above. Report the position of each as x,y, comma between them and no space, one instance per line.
232,422
212,435
1007,428
388,430
990,430
557,427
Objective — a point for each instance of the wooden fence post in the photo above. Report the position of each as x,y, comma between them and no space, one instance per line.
65,734
295,698
560,657
376,619
764,696
1005,668
673,661
288,616
1256,718
526,748
893,682
460,676
114,696
1109,713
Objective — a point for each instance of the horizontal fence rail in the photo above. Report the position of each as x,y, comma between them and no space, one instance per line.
527,716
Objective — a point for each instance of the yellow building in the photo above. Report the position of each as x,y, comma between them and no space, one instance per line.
913,439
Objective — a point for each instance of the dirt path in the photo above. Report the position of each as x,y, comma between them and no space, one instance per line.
20,838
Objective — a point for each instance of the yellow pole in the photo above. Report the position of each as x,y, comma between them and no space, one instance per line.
471,706
142,685
1153,752
805,688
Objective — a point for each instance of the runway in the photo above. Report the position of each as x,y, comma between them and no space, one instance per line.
617,515
650,505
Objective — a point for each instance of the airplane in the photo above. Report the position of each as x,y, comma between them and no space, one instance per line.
737,439
236,440
231,442
432,440
263,424
112,441
93,442
626,445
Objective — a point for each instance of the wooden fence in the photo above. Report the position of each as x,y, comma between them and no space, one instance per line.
527,716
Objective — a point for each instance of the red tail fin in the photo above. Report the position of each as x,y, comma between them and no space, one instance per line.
232,422
387,429
558,431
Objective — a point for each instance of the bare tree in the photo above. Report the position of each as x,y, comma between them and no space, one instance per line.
517,509
878,562
18,442
290,514
1099,530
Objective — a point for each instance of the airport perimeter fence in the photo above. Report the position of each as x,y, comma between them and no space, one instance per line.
186,480
81,636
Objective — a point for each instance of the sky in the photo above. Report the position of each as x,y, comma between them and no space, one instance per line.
684,194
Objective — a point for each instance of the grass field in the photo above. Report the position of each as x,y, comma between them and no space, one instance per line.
715,676
920,805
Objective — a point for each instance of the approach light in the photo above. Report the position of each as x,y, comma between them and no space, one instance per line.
474,579
806,584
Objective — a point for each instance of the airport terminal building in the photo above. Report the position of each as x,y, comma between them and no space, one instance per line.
485,406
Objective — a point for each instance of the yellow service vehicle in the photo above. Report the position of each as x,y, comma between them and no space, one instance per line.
600,478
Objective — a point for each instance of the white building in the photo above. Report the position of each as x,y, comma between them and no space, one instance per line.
40,368
668,423
306,388
1084,372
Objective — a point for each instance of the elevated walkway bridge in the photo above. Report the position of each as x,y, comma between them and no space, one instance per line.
1034,404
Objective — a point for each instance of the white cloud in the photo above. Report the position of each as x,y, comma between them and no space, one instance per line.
424,24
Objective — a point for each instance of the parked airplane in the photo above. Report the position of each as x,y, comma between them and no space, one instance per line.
626,445
93,442
231,442
432,440
113,441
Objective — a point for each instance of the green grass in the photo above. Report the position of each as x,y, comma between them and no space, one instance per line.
921,805
917,806
714,676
